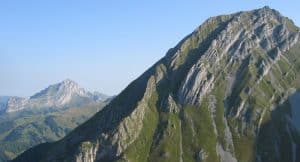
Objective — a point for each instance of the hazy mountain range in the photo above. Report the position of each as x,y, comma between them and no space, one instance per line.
46,116
229,91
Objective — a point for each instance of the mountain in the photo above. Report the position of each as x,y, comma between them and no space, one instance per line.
66,93
44,117
229,91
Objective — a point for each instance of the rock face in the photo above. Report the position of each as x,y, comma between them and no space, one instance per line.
229,91
66,93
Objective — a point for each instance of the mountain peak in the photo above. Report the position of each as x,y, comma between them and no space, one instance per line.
58,95
267,8
69,82
69,85
61,93
269,11
66,87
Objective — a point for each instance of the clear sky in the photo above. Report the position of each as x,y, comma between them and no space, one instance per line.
102,45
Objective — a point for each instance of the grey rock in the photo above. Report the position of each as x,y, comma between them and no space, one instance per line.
65,93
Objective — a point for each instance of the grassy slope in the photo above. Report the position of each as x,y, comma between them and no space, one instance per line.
20,131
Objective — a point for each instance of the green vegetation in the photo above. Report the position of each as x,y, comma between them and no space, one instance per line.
139,150
198,133
168,146
291,26
244,145
86,146
22,130
219,92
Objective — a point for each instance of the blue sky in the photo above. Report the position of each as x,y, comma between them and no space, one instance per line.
102,45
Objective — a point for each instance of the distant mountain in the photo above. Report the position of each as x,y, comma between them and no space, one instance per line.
228,92
44,117
67,93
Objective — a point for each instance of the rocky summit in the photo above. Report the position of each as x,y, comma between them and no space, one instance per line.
63,94
229,91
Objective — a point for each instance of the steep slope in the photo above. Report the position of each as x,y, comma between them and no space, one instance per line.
45,117
227,92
